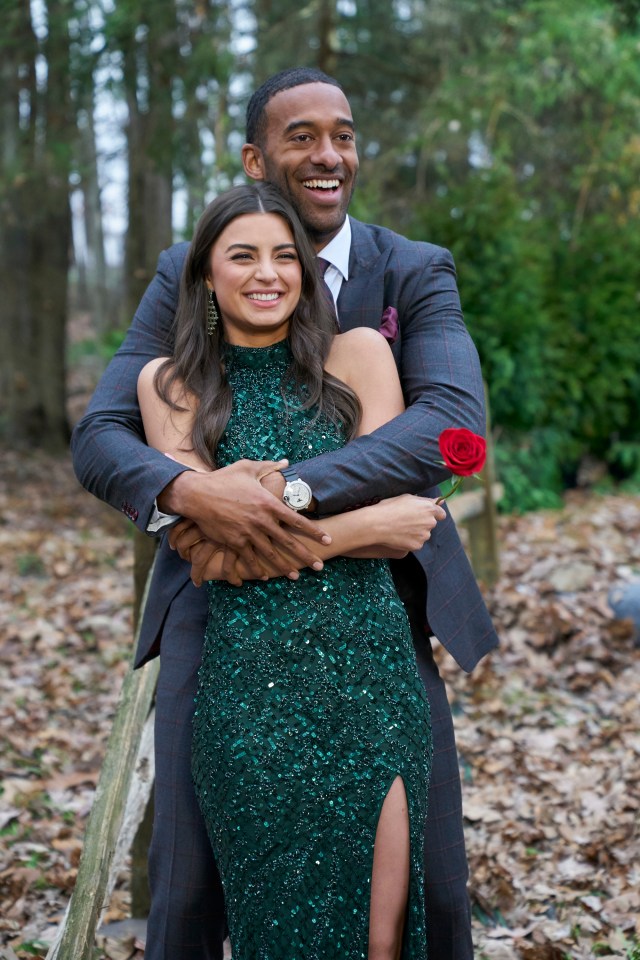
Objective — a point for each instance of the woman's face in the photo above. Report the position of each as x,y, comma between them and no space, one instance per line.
257,277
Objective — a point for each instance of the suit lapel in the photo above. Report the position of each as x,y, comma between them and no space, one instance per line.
361,299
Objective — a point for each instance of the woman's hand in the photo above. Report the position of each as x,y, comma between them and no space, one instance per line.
403,524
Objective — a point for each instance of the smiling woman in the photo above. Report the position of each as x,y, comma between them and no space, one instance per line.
250,250
255,274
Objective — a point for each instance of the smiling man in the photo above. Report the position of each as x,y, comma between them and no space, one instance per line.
301,137
303,140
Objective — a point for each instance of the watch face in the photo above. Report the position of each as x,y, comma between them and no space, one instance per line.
297,494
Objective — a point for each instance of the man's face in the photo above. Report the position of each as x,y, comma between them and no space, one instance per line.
309,153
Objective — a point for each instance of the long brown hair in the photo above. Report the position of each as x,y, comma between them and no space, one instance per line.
198,357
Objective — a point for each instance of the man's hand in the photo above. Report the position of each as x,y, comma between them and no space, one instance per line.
274,483
233,510
205,564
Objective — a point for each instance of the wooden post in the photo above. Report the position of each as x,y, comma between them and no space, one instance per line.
144,549
75,940
483,534
140,893
476,508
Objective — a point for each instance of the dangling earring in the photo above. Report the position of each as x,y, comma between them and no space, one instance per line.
212,314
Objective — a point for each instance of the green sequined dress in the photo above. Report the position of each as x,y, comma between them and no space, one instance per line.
309,705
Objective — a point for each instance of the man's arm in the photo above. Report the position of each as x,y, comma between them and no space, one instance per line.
442,384
110,456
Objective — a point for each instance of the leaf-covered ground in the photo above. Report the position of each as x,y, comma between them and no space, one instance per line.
548,726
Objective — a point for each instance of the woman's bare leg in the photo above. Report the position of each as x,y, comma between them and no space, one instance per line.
390,876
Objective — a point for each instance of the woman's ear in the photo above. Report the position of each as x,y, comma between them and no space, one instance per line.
207,280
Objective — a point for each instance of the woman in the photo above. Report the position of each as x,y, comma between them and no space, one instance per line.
311,741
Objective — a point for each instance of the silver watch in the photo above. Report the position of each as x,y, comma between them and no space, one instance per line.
297,494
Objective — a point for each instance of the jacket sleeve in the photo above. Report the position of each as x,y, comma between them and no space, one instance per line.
110,456
442,383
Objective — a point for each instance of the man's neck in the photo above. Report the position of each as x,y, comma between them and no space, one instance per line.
320,241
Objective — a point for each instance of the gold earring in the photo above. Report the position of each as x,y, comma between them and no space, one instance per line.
212,314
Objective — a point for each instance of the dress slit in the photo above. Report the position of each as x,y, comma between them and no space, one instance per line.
414,898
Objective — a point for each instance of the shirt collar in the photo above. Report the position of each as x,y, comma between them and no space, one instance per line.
337,250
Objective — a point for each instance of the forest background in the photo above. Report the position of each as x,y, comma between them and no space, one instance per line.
509,132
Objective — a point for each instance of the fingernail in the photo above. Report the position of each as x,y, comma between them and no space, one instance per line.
293,575
318,565
326,539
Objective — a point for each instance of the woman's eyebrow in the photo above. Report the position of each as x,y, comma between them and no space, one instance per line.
251,246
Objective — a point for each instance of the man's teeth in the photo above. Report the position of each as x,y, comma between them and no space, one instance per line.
321,184
263,296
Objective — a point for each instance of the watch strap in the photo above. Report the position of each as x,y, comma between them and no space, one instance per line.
290,474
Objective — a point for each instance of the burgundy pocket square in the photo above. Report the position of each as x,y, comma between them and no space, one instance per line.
389,325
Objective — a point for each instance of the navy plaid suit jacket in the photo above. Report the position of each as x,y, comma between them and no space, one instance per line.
441,379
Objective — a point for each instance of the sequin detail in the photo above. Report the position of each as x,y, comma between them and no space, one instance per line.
309,705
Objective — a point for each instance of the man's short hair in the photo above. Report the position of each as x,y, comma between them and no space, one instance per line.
285,80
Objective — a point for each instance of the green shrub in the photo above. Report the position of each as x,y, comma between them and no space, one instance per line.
556,323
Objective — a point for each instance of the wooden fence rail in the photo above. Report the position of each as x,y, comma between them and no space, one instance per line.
128,761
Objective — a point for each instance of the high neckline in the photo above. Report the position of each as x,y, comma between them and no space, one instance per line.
258,358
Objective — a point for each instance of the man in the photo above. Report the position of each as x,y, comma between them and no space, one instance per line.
300,135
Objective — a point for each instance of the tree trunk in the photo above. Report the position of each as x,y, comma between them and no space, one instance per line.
149,67
327,39
18,394
95,264
37,236
53,239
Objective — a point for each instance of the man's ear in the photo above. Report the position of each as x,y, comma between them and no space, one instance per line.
253,162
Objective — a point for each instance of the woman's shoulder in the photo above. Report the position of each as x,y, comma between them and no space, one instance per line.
360,335
360,341
176,392
148,372
355,350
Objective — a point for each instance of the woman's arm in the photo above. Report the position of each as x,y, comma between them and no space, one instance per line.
362,359
169,431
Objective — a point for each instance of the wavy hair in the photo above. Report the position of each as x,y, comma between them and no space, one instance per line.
198,364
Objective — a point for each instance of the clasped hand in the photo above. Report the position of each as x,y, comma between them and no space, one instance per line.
230,510
264,539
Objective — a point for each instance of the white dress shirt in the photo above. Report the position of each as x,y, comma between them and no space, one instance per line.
336,253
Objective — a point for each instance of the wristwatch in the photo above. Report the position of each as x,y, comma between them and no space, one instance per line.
297,494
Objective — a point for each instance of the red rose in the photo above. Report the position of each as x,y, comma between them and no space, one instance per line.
463,452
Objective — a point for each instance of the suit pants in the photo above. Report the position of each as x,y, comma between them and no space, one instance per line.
187,921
